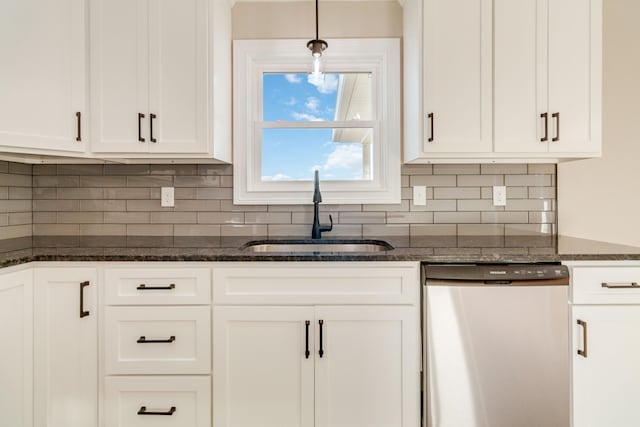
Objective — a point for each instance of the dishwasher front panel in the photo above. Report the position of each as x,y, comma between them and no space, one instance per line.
496,356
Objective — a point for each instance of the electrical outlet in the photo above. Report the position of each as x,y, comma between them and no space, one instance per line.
499,195
419,195
167,197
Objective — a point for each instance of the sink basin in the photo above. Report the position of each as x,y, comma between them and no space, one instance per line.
316,246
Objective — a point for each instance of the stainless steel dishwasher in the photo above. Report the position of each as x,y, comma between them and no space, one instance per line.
496,347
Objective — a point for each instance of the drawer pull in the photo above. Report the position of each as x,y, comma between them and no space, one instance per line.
583,352
143,411
620,285
144,340
144,287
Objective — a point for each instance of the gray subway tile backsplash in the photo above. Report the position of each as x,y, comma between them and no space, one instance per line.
122,201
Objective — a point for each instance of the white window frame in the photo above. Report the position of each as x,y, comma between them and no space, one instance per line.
253,58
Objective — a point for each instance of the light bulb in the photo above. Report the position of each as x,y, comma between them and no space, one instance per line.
316,74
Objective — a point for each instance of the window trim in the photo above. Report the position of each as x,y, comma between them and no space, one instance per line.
252,58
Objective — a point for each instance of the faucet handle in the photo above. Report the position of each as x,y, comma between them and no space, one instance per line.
329,227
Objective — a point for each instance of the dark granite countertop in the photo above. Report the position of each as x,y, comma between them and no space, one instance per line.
460,249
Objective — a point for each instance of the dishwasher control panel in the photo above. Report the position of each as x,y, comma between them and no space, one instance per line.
499,273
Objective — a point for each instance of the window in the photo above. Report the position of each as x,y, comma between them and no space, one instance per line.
288,124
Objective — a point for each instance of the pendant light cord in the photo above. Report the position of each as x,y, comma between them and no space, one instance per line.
317,38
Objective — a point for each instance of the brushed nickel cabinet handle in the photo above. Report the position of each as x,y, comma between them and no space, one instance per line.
545,117
583,352
632,285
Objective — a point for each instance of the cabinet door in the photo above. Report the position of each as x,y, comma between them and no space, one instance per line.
178,46
368,375
16,356
520,76
575,75
42,79
65,347
119,76
261,375
457,76
606,378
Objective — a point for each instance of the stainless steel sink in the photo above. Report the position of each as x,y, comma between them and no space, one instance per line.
316,246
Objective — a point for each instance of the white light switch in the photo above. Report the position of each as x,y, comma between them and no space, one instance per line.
499,195
167,197
419,195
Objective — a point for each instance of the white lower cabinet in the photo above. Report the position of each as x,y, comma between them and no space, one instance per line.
365,376
157,340
65,347
16,353
261,375
157,321
605,348
158,401
288,363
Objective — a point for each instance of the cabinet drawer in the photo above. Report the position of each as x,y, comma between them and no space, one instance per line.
157,286
605,285
127,399
157,340
317,283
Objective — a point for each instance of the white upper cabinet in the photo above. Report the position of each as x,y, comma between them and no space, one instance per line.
575,75
457,76
447,78
505,80
154,68
547,86
43,77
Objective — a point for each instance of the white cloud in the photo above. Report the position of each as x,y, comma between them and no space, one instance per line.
312,103
277,177
346,157
293,78
306,117
327,84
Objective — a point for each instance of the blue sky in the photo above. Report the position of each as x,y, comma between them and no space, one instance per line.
293,154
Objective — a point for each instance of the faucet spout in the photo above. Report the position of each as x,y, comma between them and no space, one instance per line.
317,229
317,196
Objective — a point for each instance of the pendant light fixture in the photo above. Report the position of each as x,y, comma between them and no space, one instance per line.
316,47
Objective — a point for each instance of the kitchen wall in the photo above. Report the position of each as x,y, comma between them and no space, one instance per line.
337,19
121,203
600,199
15,209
